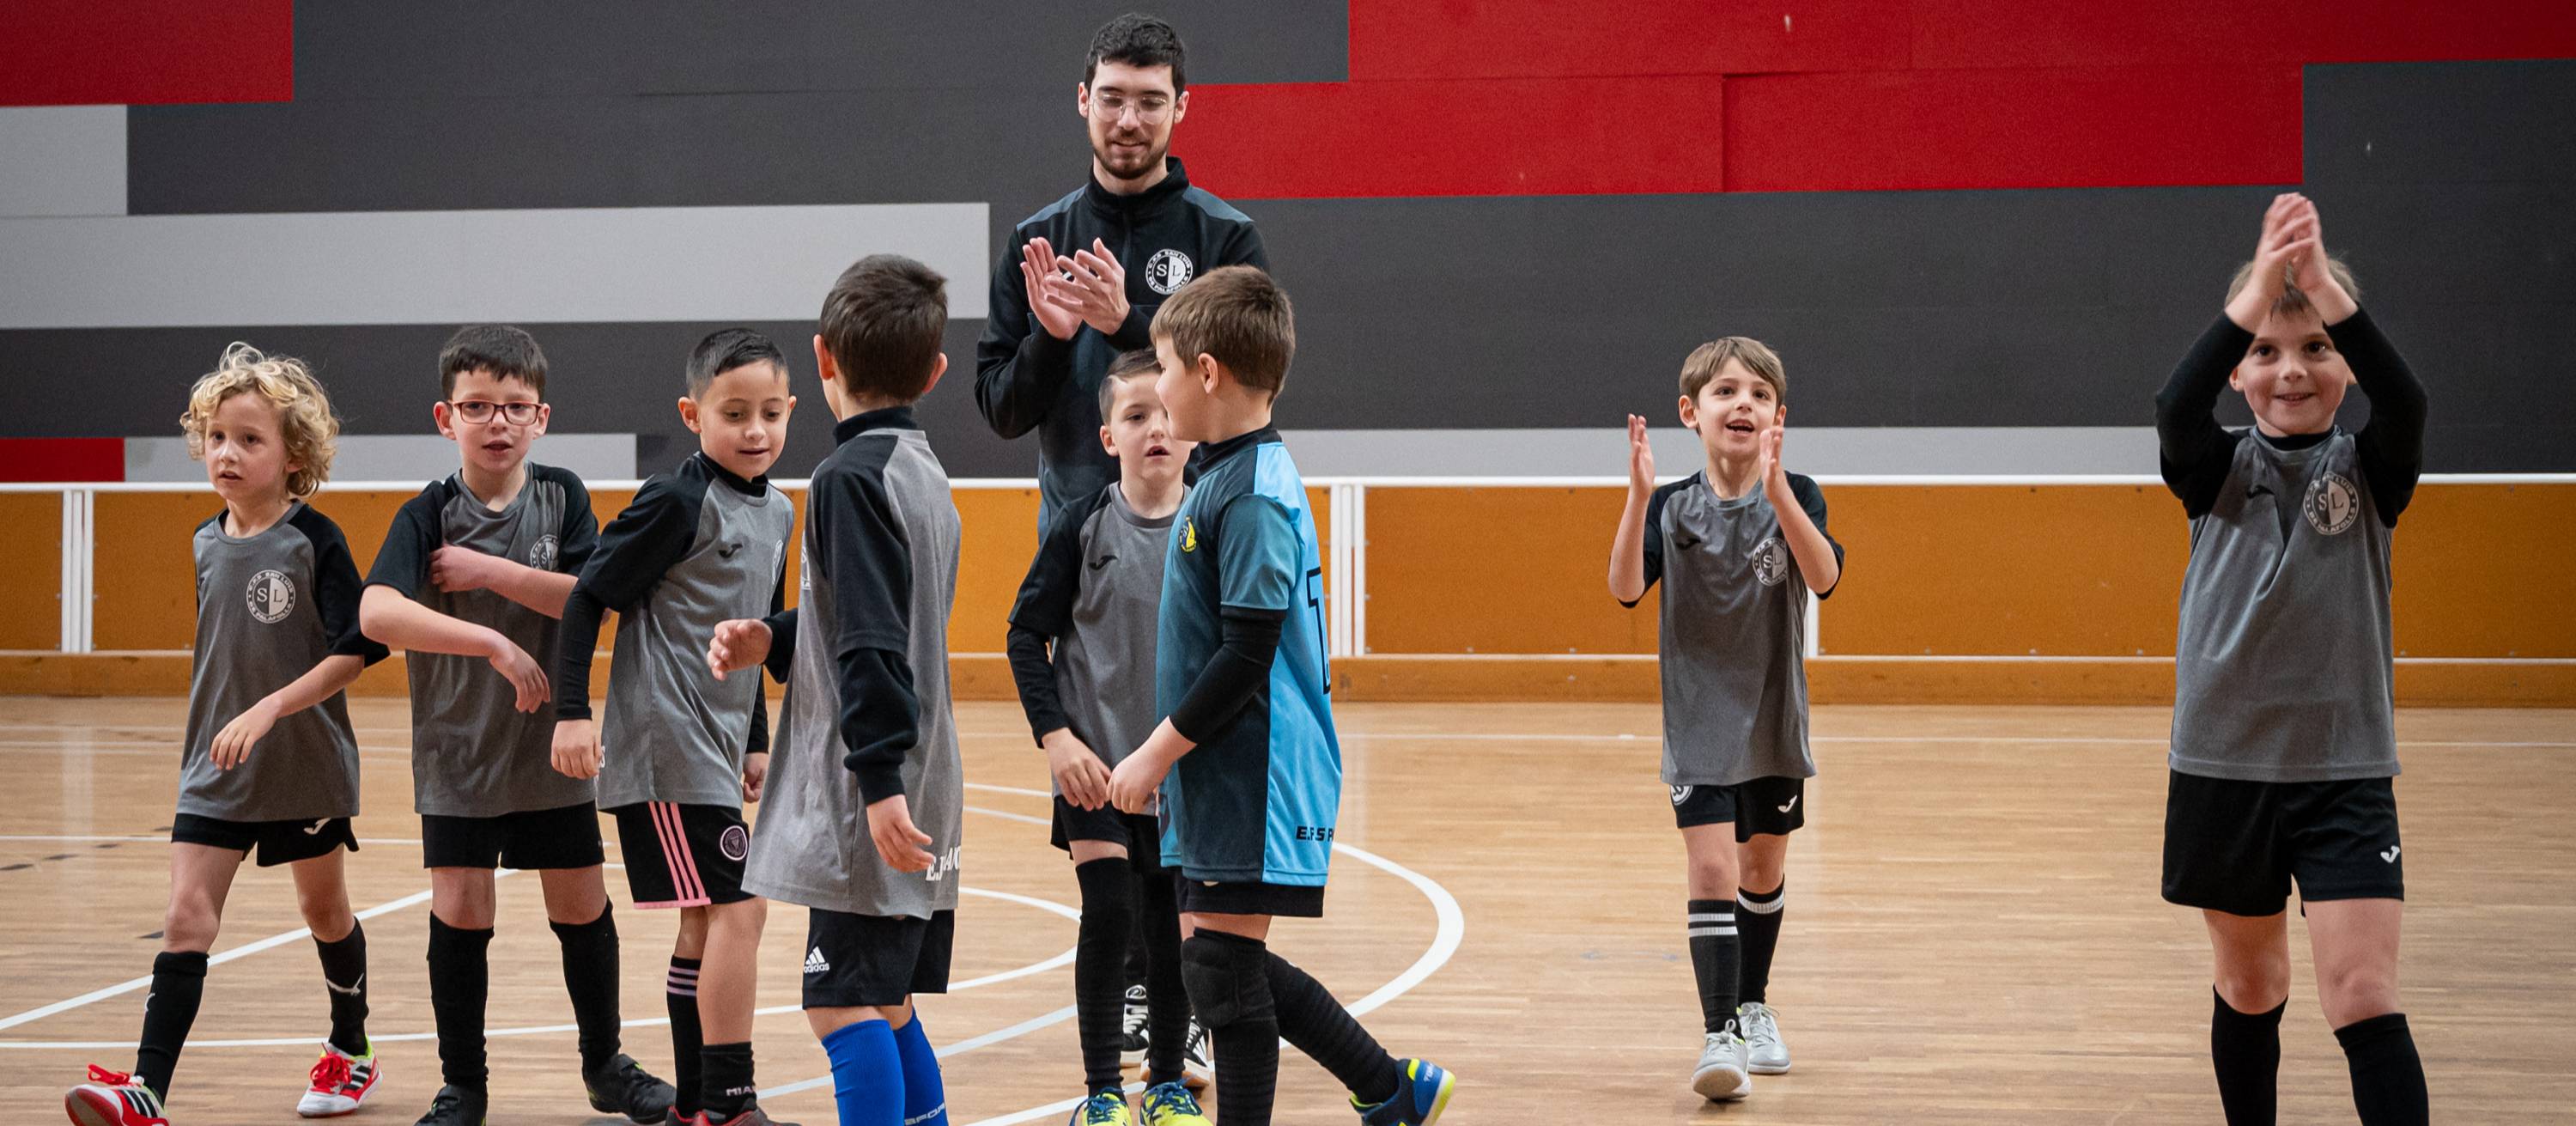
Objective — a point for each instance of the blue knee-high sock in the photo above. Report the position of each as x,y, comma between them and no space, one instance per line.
867,1074
925,1098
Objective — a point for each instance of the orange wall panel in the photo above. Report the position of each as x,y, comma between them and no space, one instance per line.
1497,570
2482,571
31,609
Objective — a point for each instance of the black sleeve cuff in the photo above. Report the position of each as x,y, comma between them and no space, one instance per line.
1034,675
575,637
1233,676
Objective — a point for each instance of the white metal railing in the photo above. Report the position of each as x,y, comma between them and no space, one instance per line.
1346,526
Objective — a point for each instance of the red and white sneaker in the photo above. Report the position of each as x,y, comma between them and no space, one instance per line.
340,1082
113,1098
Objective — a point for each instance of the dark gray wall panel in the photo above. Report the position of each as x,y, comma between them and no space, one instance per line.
2441,122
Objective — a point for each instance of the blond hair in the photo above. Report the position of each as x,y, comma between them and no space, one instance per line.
306,426
1708,359
2293,299
1238,315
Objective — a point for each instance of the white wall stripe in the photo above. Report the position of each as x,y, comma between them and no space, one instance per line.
443,267
1975,451
398,457
62,160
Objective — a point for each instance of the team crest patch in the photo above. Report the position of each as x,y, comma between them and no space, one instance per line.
736,842
1681,794
1771,561
1168,270
542,554
271,596
1189,535
2331,505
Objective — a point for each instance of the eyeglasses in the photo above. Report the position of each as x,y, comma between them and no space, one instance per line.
1151,109
480,411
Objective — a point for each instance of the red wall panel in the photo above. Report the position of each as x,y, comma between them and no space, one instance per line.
2062,33
1570,136
129,52
62,459
2088,127
1394,39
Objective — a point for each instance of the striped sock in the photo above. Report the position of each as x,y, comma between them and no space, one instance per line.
1715,951
1758,916
680,997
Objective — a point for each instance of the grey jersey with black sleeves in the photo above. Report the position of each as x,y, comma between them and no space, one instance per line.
473,753
1094,590
868,686
699,546
1732,630
269,608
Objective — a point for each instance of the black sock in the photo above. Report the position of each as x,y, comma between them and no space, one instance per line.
178,984
460,980
590,975
1319,1026
1228,980
688,1044
1714,954
728,1089
344,977
2245,1049
1757,921
1139,961
1167,1000
2387,1075
1099,966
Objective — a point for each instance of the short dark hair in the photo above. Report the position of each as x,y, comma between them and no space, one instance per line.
1238,315
883,322
501,351
1135,363
1138,40
726,349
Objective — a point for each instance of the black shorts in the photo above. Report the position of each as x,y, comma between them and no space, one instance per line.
682,855
565,837
278,842
1251,897
875,960
1139,833
1771,805
2234,846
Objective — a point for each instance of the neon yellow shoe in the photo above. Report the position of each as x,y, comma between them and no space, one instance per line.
1108,1108
1419,1098
1171,1104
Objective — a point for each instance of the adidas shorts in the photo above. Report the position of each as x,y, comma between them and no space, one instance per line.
562,837
277,842
682,855
1758,806
2236,846
875,960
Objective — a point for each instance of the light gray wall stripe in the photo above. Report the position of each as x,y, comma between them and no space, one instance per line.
399,457
412,267
1971,450
62,160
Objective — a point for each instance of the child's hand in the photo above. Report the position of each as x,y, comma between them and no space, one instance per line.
898,840
514,663
454,568
1038,276
577,751
1133,785
232,744
1641,457
1775,477
2289,234
739,644
755,774
1079,773
1097,289
2309,272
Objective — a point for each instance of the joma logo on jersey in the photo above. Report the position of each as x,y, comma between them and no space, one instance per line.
1167,271
2331,504
1314,832
271,596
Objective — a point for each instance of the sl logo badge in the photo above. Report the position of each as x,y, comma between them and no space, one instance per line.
271,596
1681,794
2332,504
1771,561
543,553
1167,271
1189,535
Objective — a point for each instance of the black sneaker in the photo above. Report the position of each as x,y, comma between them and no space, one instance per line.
1131,1035
751,1116
455,1106
622,1087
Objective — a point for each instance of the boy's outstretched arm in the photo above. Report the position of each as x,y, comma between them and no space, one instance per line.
2391,445
1636,550
1801,513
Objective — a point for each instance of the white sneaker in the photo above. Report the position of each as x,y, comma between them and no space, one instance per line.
1722,1075
1765,1053
1132,1025
1196,1063
340,1082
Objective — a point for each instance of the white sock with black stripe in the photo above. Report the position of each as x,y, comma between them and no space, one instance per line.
1716,954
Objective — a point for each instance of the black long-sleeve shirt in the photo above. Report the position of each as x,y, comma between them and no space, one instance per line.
2194,451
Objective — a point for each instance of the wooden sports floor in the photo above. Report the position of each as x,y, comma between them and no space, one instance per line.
1973,932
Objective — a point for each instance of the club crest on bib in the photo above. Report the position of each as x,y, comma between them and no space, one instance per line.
2332,504
1167,271
1771,561
736,842
1189,535
543,553
271,596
